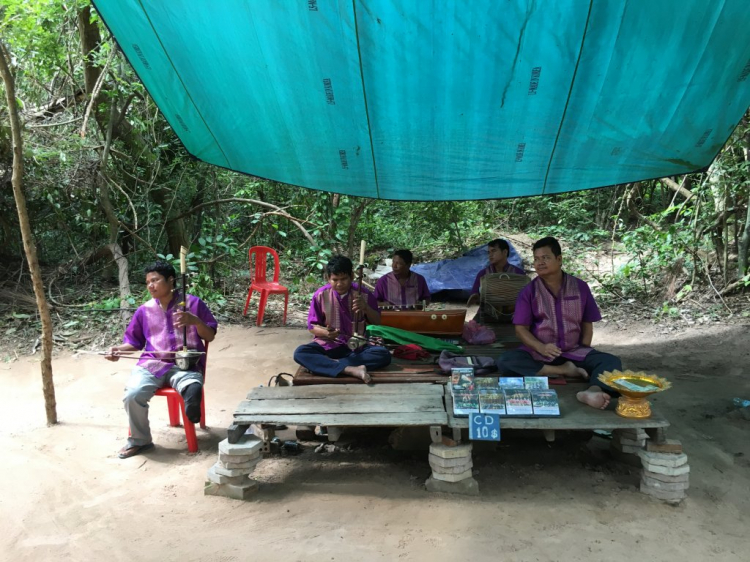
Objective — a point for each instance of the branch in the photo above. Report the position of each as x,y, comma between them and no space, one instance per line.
278,211
679,188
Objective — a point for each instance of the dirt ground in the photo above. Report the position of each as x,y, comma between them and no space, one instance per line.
64,495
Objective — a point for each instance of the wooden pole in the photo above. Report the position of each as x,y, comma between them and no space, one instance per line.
29,245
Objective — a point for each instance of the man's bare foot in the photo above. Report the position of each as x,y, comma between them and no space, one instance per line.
360,371
570,370
594,397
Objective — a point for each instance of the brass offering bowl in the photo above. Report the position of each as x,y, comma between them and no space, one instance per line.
634,389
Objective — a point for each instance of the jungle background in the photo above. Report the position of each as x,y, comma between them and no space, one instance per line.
110,188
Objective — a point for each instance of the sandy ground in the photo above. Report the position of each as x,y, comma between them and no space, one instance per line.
65,496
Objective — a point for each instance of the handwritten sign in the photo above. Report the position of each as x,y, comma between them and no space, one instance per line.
484,427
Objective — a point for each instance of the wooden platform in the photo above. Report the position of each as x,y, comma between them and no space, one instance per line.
345,405
573,415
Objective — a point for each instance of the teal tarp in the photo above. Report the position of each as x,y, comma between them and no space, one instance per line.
444,100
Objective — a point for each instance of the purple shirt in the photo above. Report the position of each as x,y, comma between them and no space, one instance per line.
559,319
509,268
390,290
152,328
328,308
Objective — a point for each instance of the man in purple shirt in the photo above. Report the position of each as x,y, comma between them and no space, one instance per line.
498,251
554,319
402,288
331,324
156,328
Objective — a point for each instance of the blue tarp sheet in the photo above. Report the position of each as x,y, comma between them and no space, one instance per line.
444,100
456,276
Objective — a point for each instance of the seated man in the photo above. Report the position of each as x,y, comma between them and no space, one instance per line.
402,287
554,320
157,327
497,251
330,323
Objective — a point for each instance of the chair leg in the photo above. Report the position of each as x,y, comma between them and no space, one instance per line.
286,303
203,409
262,306
192,439
247,302
173,405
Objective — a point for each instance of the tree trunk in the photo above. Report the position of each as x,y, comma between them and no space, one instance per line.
745,238
29,245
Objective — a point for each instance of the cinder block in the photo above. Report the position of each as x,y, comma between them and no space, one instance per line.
663,459
667,470
231,471
459,461
447,452
217,478
668,446
452,477
249,464
450,469
664,486
640,443
666,478
248,445
466,487
237,458
244,492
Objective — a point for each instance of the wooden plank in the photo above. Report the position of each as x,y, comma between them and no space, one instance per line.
575,416
353,420
284,392
343,405
394,377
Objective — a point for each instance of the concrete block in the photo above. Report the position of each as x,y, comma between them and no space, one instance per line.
450,469
452,477
666,478
630,449
629,433
672,497
231,471
663,459
249,464
627,458
667,470
447,452
668,446
244,492
640,443
466,487
217,478
459,461
237,458
664,486
248,445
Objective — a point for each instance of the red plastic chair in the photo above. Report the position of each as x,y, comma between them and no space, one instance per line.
176,404
258,281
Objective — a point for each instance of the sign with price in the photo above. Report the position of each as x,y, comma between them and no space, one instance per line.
484,427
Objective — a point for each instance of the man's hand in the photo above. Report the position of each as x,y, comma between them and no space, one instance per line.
359,304
332,334
114,353
184,318
549,350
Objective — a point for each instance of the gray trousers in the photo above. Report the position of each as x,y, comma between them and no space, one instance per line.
140,388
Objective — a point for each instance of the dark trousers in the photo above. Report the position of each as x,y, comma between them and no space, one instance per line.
520,363
330,363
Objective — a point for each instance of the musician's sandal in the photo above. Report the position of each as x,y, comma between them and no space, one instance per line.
127,452
192,397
